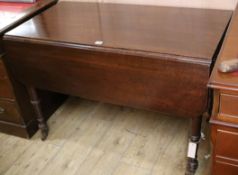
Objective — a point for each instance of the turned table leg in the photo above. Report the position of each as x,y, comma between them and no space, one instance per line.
35,101
195,136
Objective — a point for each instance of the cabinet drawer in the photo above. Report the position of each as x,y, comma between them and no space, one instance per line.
5,85
2,70
226,144
9,112
222,168
6,89
228,110
3,73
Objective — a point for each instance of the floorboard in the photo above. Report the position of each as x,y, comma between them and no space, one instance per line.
90,138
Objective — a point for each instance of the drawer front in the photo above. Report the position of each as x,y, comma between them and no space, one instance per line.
2,70
226,153
226,144
222,168
9,112
228,110
5,86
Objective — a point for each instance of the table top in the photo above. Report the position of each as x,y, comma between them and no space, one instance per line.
169,30
13,13
229,51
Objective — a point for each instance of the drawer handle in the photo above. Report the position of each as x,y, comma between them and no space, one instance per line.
2,110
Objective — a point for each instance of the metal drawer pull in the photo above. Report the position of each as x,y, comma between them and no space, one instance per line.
2,110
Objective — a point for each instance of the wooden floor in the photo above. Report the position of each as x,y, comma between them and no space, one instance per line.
90,138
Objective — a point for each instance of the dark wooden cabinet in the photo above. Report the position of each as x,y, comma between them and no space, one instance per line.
17,116
224,120
11,120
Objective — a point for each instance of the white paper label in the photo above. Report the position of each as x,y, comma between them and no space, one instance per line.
192,148
98,42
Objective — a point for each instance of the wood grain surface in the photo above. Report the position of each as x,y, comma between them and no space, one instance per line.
185,32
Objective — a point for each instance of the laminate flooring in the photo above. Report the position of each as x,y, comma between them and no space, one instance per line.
91,138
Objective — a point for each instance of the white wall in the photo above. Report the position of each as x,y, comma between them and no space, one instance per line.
217,4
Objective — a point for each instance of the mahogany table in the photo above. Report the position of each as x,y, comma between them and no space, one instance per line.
224,118
155,58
